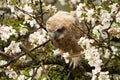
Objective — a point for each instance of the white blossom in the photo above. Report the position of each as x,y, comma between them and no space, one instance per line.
114,8
6,32
28,8
94,77
74,1
114,49
104,76
107,54
11,8
44,78
104,0
14,47
98,31
85,43
39,72
97,74
31,72
51,9
23,30
3,62
30,78
27,17
116,77
90,18
18,13
66,57
96,70
26,1
1,12
80,11
115,31
57,52
118,17
93,56
21,77
91,53
118,30
90,13
11,73
105,18
62,2
32,22
38,37
23,57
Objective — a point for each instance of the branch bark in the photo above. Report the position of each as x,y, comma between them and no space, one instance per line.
4,55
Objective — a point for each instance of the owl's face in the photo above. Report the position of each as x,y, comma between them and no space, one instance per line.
56,32
59,25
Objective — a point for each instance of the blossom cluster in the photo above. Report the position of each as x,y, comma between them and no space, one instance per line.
6,32
13,48
101,23
30,73
65,55
92,54
8,71
63,2
38,37
14,75
23,15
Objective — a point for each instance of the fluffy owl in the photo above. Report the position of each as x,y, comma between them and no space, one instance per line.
65,30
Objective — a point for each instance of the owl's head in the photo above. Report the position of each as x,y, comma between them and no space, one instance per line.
56,32
59,25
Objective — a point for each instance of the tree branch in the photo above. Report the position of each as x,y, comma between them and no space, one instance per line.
12,60
6,56
29,53
46,73
34,17
39,46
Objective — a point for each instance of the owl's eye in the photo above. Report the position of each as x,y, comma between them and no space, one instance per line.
61,30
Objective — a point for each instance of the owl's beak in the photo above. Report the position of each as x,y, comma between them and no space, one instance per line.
55,35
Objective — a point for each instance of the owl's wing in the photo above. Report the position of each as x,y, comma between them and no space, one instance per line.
78,28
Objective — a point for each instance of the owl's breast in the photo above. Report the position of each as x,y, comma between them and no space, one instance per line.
67,44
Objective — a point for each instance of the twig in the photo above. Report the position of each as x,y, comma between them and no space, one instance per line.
48,61
6,56
46,73
85,33
7,64
29,53
25,12
53,2
32,17
39,46
107,61
41,11
34,72
11,61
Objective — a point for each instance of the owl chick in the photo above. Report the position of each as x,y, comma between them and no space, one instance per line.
65,30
